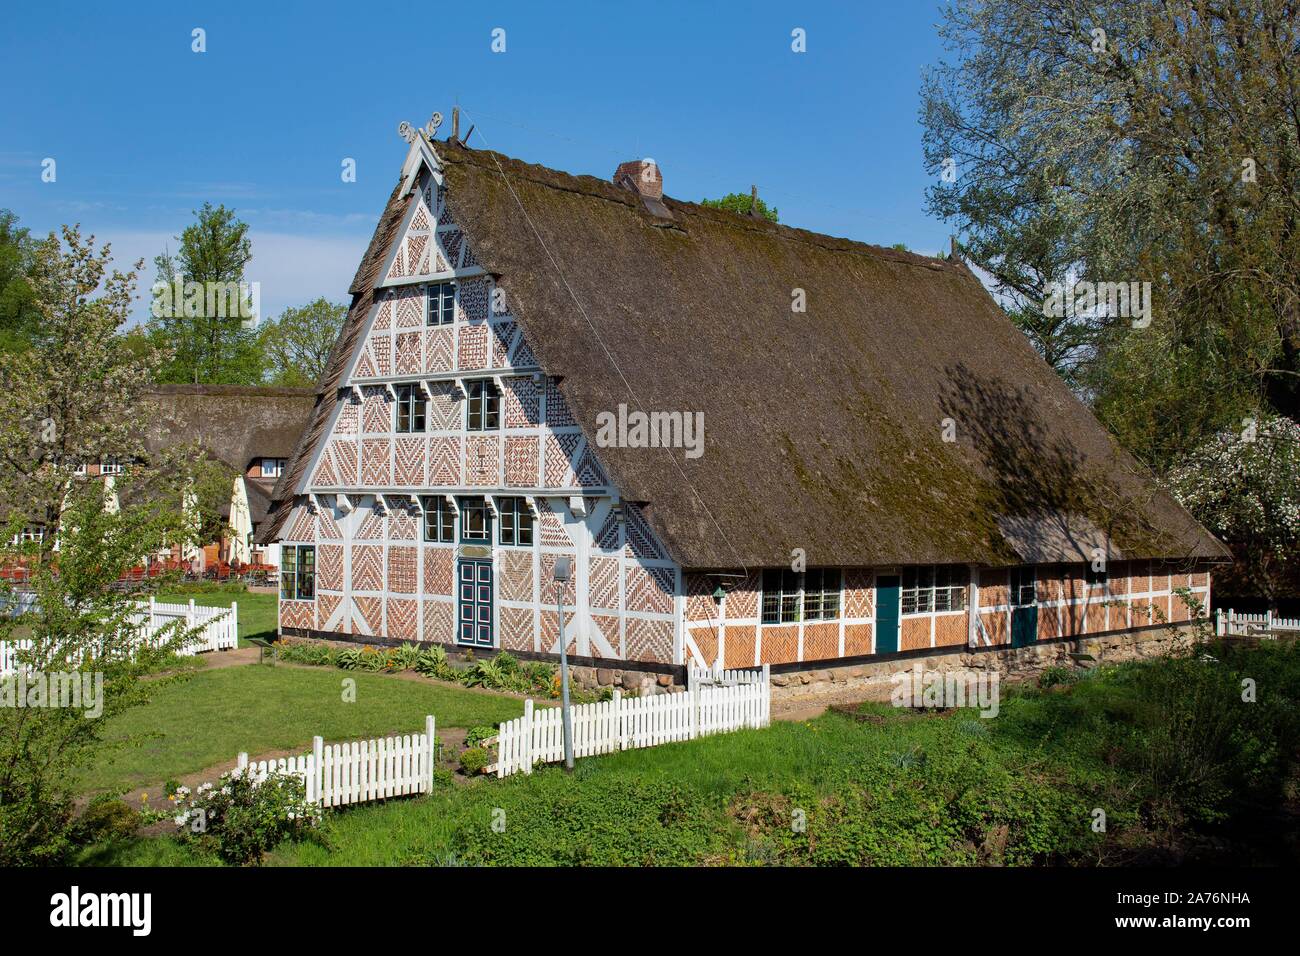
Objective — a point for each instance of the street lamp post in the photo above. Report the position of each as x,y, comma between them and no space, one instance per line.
563,570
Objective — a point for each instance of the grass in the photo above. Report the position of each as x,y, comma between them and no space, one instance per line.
213,715
257,612
1181,764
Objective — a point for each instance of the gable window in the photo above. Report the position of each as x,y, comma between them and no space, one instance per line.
442,299
482,406
272,467
931,589
410,408
516,521
439,520
1024,587
298,572
475,520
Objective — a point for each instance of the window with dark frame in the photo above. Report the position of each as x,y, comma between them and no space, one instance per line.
1093,578
516,522
821,594
929,590
439,520
787,599
411,408
298,572
1024,587
442,303
482,406
475,520
780,597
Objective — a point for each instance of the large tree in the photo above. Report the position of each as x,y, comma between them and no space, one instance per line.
210,333
1134,141
297,345
17,315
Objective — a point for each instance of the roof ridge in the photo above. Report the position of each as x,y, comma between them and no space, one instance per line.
611,192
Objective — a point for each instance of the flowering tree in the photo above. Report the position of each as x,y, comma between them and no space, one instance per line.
1245,487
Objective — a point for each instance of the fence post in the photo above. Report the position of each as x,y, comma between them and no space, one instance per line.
189,624
234,623
618,718
429,733
526,741
1268,620
241,763
766,705
315,781
694,691
1229,621
149,629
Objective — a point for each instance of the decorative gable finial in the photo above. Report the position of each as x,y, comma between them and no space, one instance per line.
409,132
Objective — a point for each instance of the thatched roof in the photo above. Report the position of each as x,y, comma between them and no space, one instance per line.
824,430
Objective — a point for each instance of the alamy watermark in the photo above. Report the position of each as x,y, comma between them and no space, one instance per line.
943,689
638,429
224,300
1128,300
37,689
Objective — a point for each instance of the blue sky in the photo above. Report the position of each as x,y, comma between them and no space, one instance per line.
144,130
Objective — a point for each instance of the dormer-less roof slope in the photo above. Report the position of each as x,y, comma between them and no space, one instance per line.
232,423
824,430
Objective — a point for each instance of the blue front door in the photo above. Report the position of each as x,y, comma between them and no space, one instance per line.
887,614
475,581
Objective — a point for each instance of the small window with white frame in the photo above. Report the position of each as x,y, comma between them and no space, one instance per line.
272,467
110,466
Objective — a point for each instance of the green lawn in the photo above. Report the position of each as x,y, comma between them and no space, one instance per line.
1183,767
257,612
215,714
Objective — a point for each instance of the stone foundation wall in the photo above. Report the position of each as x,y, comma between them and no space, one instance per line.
872,680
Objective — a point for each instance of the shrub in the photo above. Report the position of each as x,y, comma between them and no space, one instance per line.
106,818
479,734
242,820
473,761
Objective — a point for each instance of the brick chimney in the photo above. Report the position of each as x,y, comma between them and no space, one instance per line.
642,175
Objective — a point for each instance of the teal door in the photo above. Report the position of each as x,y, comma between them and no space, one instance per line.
475,578
887,614
1024,607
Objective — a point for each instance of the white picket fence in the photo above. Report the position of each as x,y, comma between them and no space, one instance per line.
9,655
357,771
633,722
1232,623
717,676
217,629
219,625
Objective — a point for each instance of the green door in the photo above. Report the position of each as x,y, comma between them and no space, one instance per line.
887,614
1024,607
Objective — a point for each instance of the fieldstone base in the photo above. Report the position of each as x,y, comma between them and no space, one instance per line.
873,680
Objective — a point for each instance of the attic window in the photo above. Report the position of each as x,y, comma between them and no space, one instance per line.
272,467
442,299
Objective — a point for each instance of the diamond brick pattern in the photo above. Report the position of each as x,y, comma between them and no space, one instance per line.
409,358
473,295
521,461
367,567
649,640
857,593
408,307
403,524
444,409
438,571
375,468
300,614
